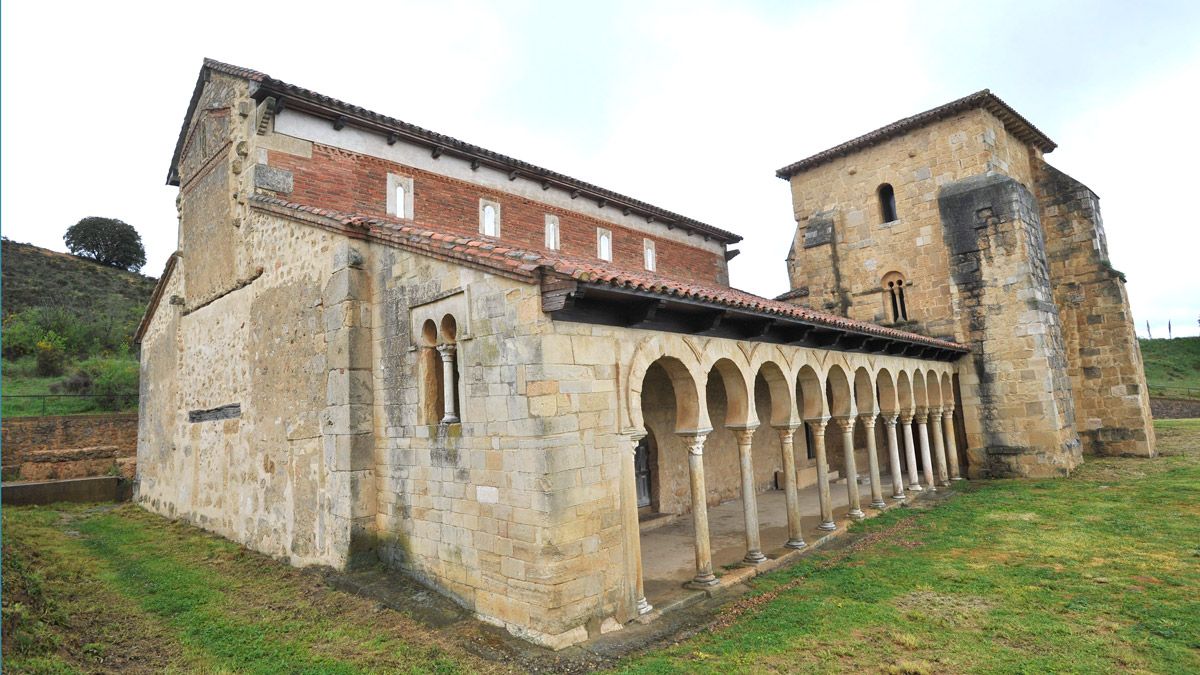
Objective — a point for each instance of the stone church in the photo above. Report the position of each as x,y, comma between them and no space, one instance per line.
377,343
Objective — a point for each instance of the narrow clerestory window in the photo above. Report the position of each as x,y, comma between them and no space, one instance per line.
887,203
604,244
649,255
552,234
489,218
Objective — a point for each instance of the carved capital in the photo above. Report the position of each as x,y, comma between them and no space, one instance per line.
906,418
818,424
634,441
868,420
948,412
786,434
744,435
447,351
845,423
890,421
694,443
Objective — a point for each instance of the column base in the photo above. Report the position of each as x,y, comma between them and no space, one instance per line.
900,496
879,504
795,543
857,514
643,606
754,558
703,581
957,478
915,488
828,525
449,419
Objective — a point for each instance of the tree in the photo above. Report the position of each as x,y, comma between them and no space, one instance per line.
108,241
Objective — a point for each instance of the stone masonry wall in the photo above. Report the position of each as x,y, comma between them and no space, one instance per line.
69,446
1020,391
842,270
1104,359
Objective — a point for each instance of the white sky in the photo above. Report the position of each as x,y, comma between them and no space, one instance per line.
687,105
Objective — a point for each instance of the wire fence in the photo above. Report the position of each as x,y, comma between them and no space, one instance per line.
42,405
1173,391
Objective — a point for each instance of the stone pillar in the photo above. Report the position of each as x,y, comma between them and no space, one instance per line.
704,569
817,426
792,497
939,448
910,453
951,442
922,417
868,422
754,554
894,457
447,352
847,426
633,531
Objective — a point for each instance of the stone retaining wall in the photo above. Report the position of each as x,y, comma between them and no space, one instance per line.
1174,408
69,446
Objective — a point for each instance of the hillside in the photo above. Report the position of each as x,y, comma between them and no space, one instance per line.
38,277
1172,366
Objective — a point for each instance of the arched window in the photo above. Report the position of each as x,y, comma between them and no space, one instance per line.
489,218
893,295
401,199
552,235
433,406
604,244
649,256
887,203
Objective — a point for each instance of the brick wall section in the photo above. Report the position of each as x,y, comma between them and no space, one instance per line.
69,446
338,179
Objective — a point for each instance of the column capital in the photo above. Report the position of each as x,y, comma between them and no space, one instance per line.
890,420
906,418
635,439
868,420
935,411
447,350
818,424
948,411
921,415
694,441
743,434
846,422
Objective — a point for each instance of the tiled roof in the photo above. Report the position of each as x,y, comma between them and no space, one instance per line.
530,264
447,143
1013,121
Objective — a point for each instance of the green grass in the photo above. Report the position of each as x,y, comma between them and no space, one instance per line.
118,588
1096,573
20,382
1173,366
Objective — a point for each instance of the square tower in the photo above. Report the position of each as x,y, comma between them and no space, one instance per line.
951,224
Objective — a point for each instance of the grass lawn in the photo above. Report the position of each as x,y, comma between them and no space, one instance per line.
20,387
1172,367
1096,573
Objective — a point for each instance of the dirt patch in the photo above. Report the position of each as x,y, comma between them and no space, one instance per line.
954,610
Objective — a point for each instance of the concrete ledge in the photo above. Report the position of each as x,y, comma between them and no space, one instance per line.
99,489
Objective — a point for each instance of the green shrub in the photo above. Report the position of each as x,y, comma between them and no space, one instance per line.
51,354
114,381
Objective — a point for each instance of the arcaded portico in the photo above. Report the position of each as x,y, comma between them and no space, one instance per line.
861,402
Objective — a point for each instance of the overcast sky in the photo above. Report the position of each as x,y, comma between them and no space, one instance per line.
687,105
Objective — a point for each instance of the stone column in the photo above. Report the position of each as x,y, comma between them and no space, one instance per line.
633,531
847,426
910,453
894,457
790,494
939,448
922,417
754,554
447,352
818,432
704,569
951,442
868,422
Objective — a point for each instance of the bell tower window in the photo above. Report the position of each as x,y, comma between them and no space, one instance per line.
893,296
887,203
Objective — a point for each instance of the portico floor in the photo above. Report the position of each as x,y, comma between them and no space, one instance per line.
668,552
